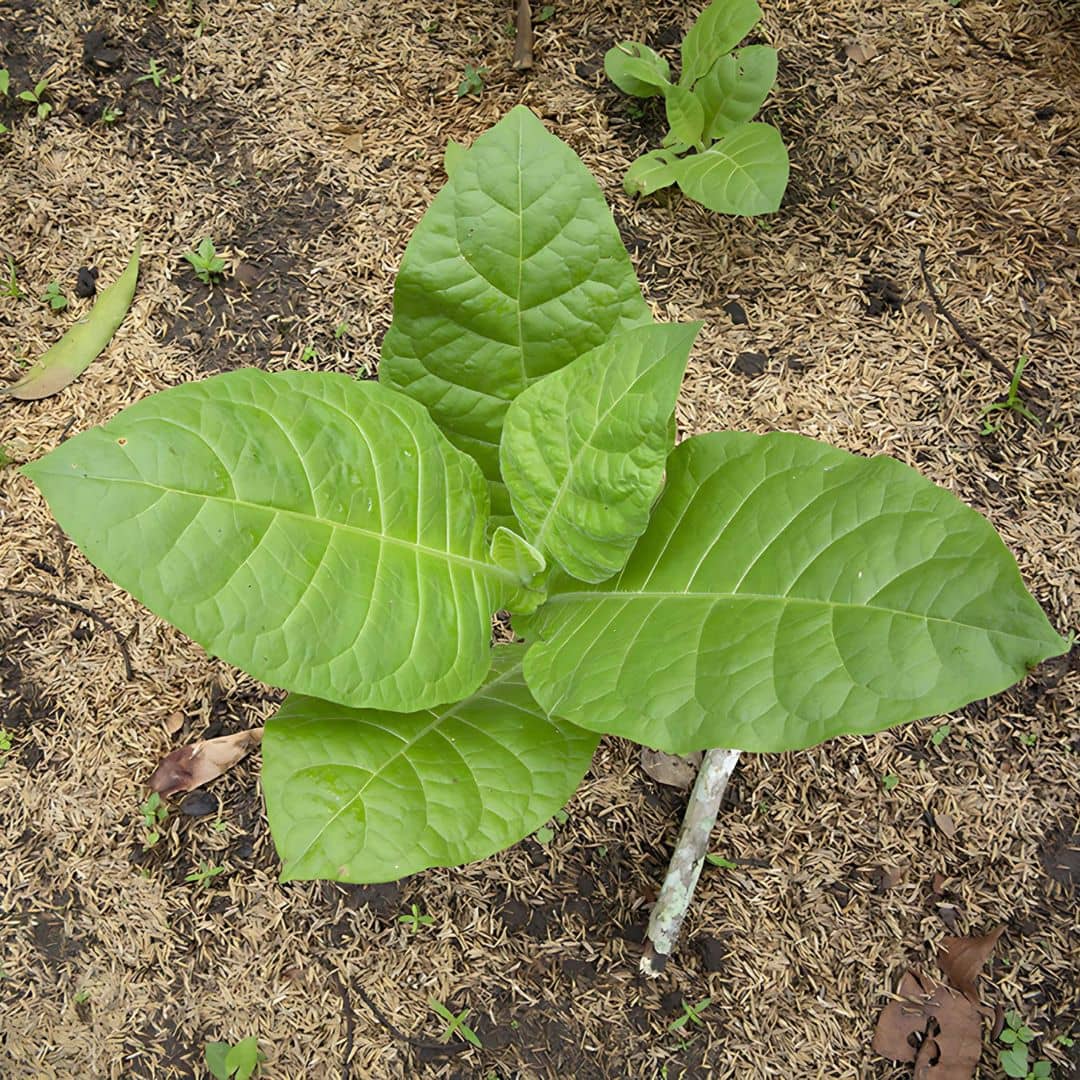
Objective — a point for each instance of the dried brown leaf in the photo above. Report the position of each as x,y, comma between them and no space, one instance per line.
933,1026
189,767
174,722
671,769
946,824
962,959
859,52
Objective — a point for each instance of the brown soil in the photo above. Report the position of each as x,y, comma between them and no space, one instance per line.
959,133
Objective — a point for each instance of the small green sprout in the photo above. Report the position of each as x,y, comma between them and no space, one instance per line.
34,97
154,812
545,13
340,330
54,297
454,1023
941,734
5,81
1029,738
110,114
546,833
1012,402
889,781
206,872
157,75
205,261
472,81
241,1061
414,920
11,286
691,1015
1016,1036
5,741
308,354
81,997
219,826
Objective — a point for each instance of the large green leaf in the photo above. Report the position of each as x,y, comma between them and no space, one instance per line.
636,69
717,30
786,592
516,269
583,451
316,531
362,795
746,172
735,88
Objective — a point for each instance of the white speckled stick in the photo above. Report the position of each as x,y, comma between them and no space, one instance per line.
687,858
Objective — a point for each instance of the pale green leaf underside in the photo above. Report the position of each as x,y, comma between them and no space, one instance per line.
784,593
361,795
735,88
717,30
746,172
516,269
636,69
583,452
649,173
527,565
316,531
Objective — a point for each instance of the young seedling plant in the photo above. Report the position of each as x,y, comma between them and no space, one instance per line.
712,151
239,1062
205,261
350,540
36,97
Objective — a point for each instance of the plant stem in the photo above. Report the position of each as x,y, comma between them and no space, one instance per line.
687,858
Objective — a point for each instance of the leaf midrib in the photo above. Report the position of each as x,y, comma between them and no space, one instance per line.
597,597
483,568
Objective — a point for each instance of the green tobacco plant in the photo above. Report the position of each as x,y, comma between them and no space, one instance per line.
712,150
350,541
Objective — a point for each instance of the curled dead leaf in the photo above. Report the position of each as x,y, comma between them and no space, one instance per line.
189,767
946,824
671,769
174,722
963,958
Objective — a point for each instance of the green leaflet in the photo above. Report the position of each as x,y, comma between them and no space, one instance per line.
316,531
786,592
520,558
583,451
649,173
745,173
636,69
516,269
735,87
361,795
717,30
685,116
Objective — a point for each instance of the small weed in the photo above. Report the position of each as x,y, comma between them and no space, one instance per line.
941,734
1014,1058
5,741
154,812
241,1061
340,330
1029,739
546,833
1064,1040
5,459
454,1023
719,860
432,27
1012,402
206,872
219,826
109,115
5,81
889,781
414,920
308,354
35,96
157,76
545,13
691,1015
472,81
205,261
11,286
81,997
54,297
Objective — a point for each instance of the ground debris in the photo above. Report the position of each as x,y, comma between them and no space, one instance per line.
671,769
189,767
962,959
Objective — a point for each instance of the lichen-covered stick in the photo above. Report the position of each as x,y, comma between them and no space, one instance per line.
687,858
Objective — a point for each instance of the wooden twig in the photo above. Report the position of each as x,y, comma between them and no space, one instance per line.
686,860
964,336
523,41
72,606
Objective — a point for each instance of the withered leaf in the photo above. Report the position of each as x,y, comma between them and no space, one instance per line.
174,722
189,767
946,824
671,769
933,1026
860,52
963,958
